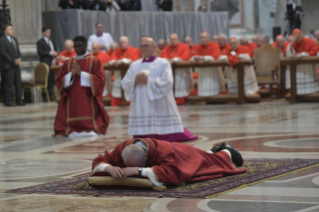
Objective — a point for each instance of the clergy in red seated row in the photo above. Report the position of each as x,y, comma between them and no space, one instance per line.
192,47
66,54
306,74
281,44
125,54
210,79
105,58
176,52
237,53
81,83
163,162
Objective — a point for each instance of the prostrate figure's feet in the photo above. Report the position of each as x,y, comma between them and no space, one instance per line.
216,148
236,157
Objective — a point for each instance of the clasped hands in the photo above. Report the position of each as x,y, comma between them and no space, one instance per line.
141,78
76,70
121,173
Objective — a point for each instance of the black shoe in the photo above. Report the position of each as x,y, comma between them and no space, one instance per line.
21,103
236,157
215,148
8,104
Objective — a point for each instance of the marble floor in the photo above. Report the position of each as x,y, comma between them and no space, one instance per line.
29,155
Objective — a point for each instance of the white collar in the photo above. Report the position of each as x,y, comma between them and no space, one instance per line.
9,37
46,39
77,57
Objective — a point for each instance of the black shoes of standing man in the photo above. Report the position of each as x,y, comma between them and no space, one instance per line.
10,104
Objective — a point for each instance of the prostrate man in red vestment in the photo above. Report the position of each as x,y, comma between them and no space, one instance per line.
306,74
250,82
281,44
81,83
210,80
124,54
177,52
105,58
168,163
66,54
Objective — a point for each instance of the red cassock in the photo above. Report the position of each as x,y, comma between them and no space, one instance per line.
283,49
225,49
104,57
181,50
233,59
306,45
192,50
118,54
66,54
109,52
212,49
81,108
176,162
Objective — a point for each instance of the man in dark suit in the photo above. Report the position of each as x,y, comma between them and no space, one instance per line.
74,4
97,5
294,15
46,52
10,67
165,5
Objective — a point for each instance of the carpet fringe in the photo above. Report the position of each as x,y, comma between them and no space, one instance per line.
267,179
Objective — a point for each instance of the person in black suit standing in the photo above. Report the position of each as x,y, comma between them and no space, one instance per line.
165,5
46,52
294,15
10,67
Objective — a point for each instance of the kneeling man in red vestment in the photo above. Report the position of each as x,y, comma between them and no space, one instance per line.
168,163
81,83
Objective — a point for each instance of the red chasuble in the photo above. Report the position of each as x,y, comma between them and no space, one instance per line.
104,57
233,59
66,54
225,50
212,49
181,50
307,45
176,162
81,108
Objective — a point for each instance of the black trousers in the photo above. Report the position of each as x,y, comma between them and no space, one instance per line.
11,78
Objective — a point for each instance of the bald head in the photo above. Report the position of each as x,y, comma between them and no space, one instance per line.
161,44
147,47
68,44
280,40
113,46
222,40
124,42
134,155
96,47
260,40
189,41
174,39
204,38
234,44
216,38
254,39
243,41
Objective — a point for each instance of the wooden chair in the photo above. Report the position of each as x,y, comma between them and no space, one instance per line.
267,63
40,80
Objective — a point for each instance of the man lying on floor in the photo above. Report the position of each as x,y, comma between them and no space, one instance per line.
168,163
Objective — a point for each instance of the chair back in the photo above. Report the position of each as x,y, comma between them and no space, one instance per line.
41,74
267,59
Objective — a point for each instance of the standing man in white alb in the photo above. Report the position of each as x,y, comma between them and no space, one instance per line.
148,85
105,39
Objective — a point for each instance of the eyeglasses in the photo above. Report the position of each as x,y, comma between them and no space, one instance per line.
145,46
